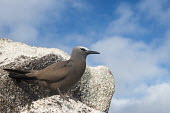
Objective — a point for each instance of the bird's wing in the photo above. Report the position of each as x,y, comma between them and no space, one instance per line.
54,72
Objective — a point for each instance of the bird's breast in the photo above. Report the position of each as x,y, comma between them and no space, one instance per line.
79,68
76,74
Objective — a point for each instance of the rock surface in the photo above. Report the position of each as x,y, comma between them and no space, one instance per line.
93,93
55,105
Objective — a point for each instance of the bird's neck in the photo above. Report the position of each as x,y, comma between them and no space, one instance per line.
80,65
78,58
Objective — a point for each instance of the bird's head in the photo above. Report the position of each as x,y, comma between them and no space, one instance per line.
80,51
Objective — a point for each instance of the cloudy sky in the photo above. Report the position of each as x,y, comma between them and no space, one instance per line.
133,37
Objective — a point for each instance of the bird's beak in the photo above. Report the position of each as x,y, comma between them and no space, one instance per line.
92,52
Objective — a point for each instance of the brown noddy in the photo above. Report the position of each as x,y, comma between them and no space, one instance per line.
61,75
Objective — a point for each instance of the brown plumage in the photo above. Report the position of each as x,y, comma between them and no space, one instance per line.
61,75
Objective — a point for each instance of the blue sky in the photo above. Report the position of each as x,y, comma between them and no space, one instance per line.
133,37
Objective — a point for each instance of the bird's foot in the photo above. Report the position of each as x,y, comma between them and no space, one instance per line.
63,96
74,98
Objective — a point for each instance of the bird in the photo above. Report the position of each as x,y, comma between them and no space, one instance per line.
60,75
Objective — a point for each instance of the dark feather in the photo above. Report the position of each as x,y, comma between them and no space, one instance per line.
19,74
17,71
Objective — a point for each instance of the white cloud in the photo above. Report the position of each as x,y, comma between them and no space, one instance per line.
135,64
132,62
80,5
126,23
24,33
164,51
79,39
21,20
24,12
156,9
156,101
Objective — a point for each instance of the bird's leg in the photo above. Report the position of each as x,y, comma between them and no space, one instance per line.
73,96
62,95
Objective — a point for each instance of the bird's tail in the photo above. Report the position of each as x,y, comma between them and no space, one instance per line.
19,74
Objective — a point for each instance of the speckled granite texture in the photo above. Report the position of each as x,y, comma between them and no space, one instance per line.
92,94
55,104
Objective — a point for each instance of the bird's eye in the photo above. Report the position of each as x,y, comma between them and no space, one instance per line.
82,49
